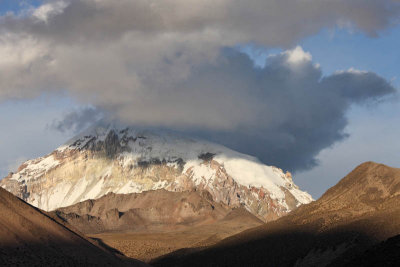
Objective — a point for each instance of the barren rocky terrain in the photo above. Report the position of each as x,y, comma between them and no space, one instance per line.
350,218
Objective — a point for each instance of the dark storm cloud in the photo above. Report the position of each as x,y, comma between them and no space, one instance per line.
169,64
284,113
297,112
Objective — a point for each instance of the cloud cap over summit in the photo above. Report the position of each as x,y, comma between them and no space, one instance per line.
172,64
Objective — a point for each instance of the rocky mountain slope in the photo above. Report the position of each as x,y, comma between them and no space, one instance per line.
142,225
150,211
336,230
30,237
127,160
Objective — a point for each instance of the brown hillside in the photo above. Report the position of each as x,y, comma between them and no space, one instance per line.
360,211
28,236
158,210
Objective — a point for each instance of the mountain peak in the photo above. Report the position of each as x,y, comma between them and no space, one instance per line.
123,160
363,190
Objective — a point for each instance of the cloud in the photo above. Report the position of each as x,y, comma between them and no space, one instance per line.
231,21
171,64
295,111
284,113
77,120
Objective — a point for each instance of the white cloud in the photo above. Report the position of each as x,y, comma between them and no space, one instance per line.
298,56
352,71
45,11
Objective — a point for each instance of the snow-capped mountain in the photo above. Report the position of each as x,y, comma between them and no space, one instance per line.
131,160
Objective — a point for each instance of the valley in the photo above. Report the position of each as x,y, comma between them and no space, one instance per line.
149,245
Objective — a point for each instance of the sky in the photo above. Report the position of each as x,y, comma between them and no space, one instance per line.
314,92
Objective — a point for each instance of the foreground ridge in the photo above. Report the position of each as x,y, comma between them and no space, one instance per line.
30,237
342,228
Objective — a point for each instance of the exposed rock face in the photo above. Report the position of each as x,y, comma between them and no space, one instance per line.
108,159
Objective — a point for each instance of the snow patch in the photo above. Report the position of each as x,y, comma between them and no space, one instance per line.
35,168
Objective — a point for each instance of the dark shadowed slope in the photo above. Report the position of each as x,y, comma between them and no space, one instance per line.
29,236
386,254
362,210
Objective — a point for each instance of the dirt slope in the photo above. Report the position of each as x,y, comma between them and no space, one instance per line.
29,236
360,211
